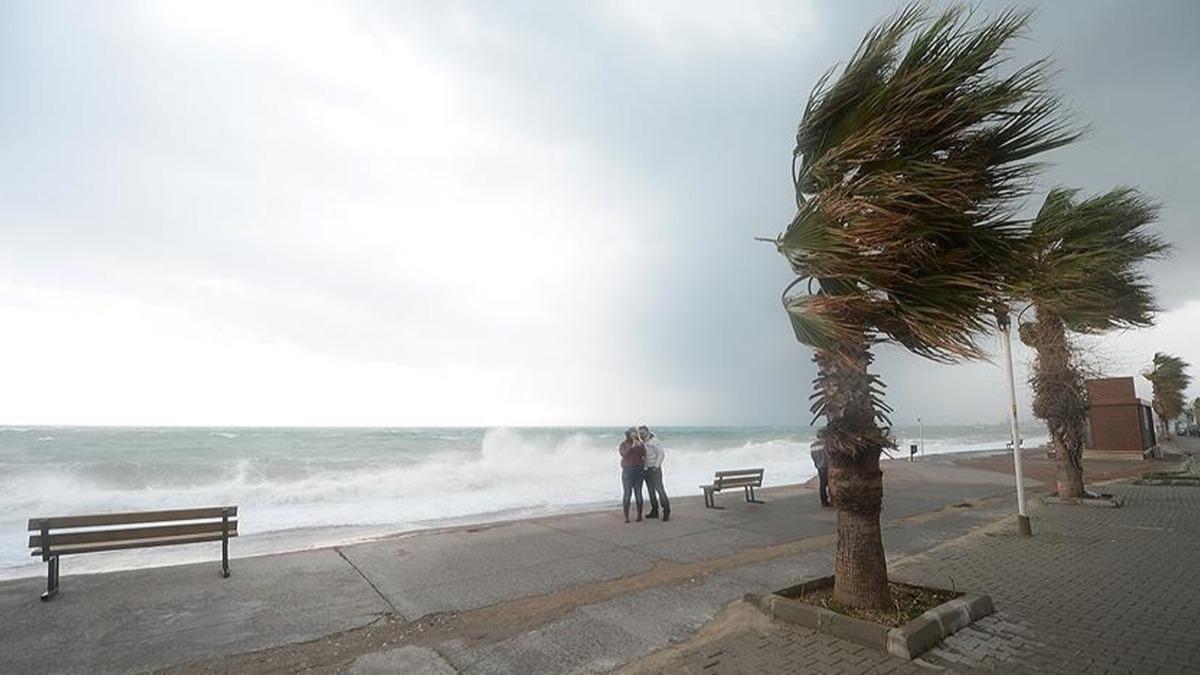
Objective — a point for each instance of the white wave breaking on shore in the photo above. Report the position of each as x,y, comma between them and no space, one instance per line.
322,499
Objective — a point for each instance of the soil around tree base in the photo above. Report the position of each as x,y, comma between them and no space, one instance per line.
908,602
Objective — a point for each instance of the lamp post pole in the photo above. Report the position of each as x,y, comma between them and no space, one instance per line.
1003,322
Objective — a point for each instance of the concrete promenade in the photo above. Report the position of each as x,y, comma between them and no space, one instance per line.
577,593
1095,590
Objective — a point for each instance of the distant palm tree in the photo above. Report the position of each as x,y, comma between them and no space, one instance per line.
906,167
1081,275
1170,379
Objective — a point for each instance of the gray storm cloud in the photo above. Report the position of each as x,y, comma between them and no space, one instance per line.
480,213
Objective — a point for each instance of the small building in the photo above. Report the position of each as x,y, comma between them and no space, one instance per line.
1120,422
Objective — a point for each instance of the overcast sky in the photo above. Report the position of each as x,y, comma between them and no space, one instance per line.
442,213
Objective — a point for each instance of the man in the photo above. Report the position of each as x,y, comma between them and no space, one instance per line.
820,458
653,472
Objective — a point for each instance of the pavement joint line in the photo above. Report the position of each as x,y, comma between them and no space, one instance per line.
370,583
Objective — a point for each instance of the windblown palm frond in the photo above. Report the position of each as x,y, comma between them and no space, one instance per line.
1080,271
1084,257
905,168
1170,379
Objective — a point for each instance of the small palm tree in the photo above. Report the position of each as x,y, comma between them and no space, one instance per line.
905,169
1081,275
1170,379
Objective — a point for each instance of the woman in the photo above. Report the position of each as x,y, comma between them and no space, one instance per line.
633,460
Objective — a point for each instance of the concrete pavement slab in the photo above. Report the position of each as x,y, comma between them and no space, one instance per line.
426,559
598,638
151,618
611,528
707,544
409,660
511,584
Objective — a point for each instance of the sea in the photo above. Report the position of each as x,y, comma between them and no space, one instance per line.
300,488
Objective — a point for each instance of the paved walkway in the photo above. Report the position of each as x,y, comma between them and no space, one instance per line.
574,593
1096,590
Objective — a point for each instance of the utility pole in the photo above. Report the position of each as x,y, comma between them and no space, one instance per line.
1004,323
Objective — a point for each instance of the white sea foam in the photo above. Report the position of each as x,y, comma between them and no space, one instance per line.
341,485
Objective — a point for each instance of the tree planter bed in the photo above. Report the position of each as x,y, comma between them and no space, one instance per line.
907,641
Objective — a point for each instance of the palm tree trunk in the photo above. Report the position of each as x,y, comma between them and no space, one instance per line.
1060,398
1069,474
854,443
859,566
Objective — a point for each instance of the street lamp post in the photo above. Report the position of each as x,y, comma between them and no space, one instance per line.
1003,322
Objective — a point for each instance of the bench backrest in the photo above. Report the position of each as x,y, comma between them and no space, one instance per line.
109,531
738,478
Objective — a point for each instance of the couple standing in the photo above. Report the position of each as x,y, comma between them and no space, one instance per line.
641,460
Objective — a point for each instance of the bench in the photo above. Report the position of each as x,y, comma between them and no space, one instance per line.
747,479
70,535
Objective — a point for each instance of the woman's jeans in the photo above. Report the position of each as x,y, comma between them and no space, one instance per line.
658,494
631,478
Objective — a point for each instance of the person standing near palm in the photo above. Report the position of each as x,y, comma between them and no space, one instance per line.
653,473
820,460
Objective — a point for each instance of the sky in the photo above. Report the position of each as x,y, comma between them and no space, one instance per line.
491,213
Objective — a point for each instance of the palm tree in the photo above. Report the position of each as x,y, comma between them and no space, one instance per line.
1081,275
1170,379
905,169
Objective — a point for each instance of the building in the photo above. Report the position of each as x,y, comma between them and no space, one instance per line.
1120,423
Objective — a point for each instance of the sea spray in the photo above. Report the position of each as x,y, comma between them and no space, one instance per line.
284,479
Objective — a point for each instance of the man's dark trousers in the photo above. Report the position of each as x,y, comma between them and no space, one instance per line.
658,494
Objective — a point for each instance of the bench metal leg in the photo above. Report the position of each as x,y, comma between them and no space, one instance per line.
51,579
225,545
750,496
710,499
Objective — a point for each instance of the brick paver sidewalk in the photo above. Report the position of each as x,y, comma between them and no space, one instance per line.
1095,590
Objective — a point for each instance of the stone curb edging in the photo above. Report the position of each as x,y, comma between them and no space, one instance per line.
907,641
1109,501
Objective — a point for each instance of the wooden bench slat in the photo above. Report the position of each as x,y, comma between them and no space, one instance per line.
127,534
741,483
740,472
136,543
737,479
130,518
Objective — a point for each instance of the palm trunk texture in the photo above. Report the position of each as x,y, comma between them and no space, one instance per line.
1060,399
854,442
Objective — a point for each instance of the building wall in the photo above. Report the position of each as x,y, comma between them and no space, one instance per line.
1114,416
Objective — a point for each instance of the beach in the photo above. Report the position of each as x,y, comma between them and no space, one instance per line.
307,488
579,591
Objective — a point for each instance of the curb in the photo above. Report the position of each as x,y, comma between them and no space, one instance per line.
1110,502
907,642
